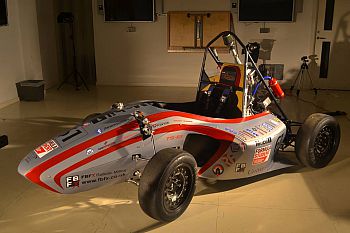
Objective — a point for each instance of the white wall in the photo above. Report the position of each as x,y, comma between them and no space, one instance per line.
20,54
141,58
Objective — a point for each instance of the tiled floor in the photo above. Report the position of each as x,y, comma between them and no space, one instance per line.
292,200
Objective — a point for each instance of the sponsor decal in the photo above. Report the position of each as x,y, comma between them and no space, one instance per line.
243,146
275,121
184,121
256,170
267,126
241,137
261,129
102,177
106,145
89,151
218,169
261,155
255,134
245,135
231,131
258,130
235,147
72,181
240,167
109,126
99,131
98,174
46,148
158,125
228,159
263,142
175,137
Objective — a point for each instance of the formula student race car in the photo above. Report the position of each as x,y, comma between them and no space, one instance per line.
234,129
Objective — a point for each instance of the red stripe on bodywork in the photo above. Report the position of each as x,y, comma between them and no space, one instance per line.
162,115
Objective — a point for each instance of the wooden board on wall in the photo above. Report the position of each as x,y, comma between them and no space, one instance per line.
181,29
214,24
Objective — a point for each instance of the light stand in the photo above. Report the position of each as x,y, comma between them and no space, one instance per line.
304,70
67,17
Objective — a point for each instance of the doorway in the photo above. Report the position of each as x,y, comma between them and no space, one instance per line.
332,44
56,45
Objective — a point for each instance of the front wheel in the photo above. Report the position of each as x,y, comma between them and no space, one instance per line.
167,184
317,140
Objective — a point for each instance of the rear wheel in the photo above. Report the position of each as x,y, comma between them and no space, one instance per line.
317,140
167,184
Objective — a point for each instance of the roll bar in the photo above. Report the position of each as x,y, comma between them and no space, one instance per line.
247,58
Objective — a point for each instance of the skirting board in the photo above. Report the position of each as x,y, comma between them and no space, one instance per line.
9,102
148,84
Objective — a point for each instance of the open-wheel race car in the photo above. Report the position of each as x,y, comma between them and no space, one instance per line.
234,129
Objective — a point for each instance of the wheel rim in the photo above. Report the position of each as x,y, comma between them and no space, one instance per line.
177,187
324,143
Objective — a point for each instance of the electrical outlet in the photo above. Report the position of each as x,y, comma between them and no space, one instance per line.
131,29
234,6
264,30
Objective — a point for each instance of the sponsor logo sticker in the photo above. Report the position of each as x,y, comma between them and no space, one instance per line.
262,155
240,167
72,181
89,151
46,148
256,170
218,169
263,142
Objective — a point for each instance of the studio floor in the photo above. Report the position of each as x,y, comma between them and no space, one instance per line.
292,200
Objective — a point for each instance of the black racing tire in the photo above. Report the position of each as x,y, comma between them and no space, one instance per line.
317,140
167,184
88,118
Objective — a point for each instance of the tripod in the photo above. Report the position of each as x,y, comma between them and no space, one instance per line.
75,73
304,70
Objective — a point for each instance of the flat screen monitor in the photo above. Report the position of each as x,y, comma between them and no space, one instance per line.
3,13
266,10
129,10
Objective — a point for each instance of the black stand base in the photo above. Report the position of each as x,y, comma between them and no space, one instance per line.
298,82
3,141
75,73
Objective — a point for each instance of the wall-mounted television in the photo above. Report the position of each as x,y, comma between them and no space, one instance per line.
3,13
129,10
266,10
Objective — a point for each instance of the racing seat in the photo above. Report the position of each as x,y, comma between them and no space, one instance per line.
220,99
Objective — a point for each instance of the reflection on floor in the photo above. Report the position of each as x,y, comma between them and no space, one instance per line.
292,200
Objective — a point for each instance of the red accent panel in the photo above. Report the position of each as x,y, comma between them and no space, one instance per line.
163,115
221,150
